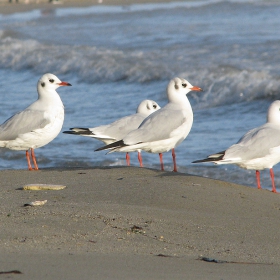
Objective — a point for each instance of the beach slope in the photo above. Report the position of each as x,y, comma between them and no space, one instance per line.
136,223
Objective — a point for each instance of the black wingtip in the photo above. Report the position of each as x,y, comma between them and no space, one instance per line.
197,161
117,144
79,131
81,128
212,158
69,132
203,160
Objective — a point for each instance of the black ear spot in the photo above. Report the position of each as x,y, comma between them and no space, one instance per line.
176,86
148,107
43,84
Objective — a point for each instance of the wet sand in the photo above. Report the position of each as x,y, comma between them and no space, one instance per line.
136,223
22,6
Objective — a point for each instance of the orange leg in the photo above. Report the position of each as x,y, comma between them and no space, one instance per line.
272,180
161,161
140,159
258,179
34,159
127,159
28,160
174,160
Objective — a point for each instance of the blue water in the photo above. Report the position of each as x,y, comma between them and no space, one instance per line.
116,56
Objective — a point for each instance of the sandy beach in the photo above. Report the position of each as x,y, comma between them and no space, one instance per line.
27,5
136,223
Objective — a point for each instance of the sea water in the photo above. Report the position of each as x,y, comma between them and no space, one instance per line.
117,56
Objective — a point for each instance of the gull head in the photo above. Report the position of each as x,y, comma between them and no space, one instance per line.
178,88
49,82
147,107
273,114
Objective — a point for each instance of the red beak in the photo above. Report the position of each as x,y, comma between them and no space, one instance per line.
196,88
64,84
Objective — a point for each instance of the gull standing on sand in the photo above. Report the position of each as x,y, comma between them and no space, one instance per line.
258,149
166,128
39,123
117,130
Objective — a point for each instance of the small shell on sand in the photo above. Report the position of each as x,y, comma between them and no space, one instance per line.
40,187
36,203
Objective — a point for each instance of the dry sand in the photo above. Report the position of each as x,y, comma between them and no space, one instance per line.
136,223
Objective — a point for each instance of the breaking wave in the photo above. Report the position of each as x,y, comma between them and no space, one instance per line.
222,84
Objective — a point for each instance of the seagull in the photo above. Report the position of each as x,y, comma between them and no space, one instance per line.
166,128
258,149
39,123
120,128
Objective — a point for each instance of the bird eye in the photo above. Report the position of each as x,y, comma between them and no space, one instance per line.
51,80
154,106
184,85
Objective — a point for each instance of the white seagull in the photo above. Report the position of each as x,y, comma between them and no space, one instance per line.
118,129
39,123
166,128
258,149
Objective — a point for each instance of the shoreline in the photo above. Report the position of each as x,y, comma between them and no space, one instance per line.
7,8
136,223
